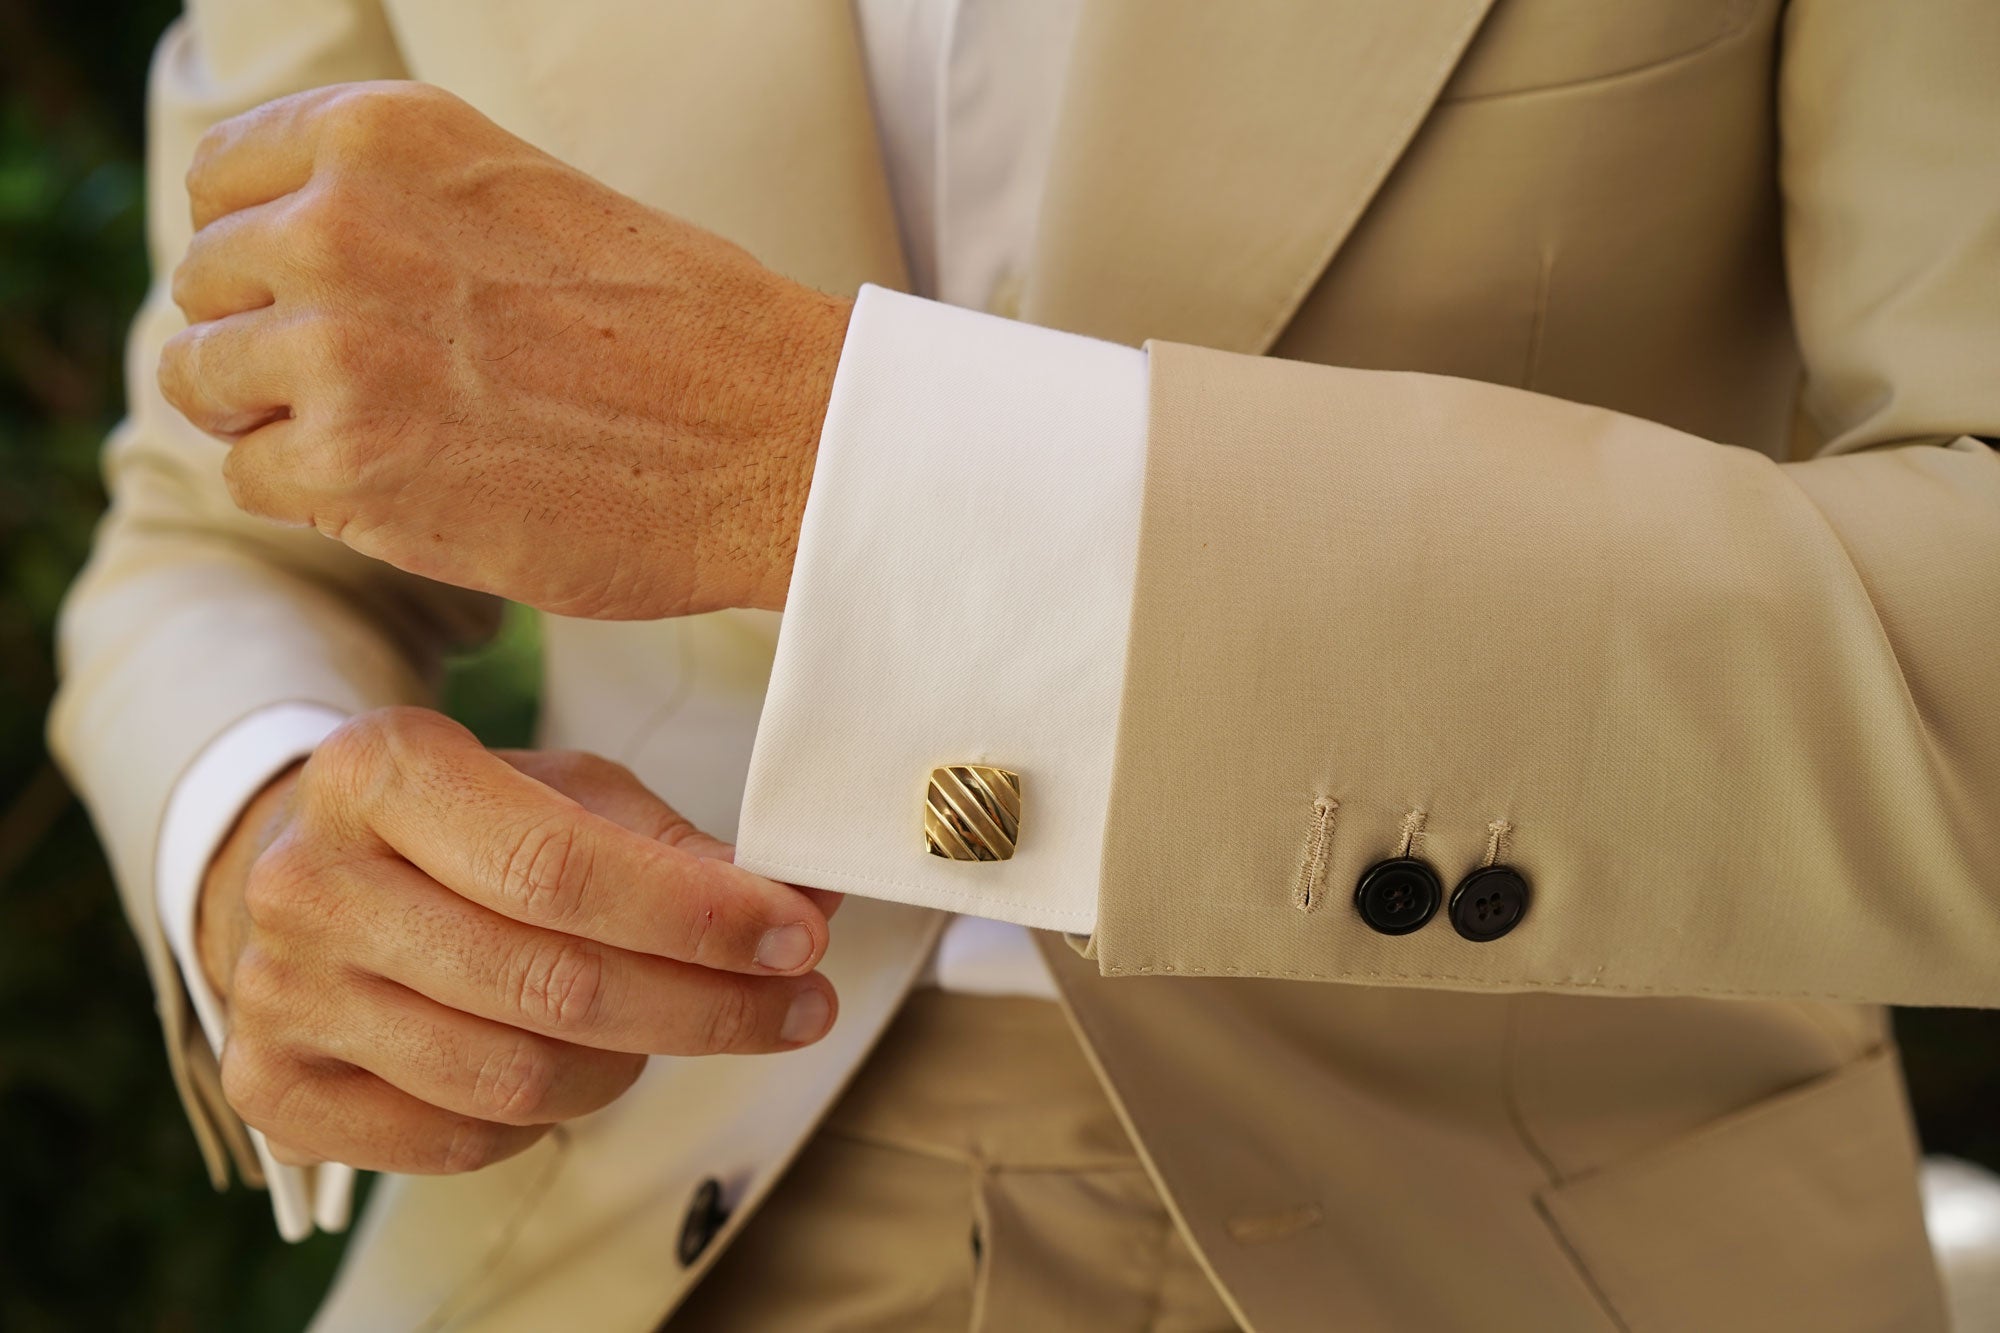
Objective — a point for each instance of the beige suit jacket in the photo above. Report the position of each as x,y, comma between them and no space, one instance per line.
1518,542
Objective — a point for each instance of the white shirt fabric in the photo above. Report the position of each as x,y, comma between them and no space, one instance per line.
963,584
962,595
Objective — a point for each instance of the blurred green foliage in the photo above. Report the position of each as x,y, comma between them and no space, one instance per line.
106,1219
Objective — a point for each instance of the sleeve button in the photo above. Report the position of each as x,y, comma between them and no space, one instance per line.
1489,902
1398,896
705,1216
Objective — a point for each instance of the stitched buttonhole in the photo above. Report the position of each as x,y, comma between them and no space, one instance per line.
1413,831
1311,887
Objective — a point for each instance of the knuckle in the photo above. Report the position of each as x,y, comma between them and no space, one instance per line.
346,768
205,149
559,986
251,487
178,364
513,1083
316,222
185,282
356,118
242,1087
726,1023
363,757
408,736
267,894
547,872
353,747
201,163
252,1081
258,984
413,97
325,226
399,729
370,117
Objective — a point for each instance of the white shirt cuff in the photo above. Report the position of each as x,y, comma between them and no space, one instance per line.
962,595
202,809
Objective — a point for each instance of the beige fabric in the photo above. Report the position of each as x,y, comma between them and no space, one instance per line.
1736,712
973,1180
1435,1160
1731,705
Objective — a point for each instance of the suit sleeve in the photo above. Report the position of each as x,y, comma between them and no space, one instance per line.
1735,721
190,615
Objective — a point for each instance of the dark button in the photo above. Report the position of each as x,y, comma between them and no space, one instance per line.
1399,895
1489,902
705,1216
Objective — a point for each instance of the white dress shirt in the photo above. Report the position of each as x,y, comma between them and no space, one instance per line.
963,586
975,500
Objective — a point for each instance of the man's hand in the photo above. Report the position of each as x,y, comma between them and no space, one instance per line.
430,953
454,353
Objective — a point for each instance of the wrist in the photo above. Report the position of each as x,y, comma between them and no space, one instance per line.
815,330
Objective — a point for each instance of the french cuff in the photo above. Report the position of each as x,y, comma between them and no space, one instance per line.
961,598
200,812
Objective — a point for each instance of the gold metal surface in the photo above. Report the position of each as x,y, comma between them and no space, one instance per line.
972,813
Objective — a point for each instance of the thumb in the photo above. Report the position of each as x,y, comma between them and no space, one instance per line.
613,791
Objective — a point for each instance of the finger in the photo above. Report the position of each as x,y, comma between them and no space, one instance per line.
507,842
262,474
328,1112
263,154
228,376
290,1156
230,265
614,791
607,788
471,1065
410,930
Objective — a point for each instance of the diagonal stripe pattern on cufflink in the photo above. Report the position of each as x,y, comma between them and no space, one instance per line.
972,813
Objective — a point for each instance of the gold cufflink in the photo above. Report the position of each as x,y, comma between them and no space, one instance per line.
972,813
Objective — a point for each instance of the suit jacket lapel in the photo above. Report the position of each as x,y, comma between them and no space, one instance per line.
758,124
1211,158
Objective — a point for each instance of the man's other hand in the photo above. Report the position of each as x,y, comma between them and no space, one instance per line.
429,953
433,341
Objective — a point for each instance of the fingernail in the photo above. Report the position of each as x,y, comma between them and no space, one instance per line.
806,1019
786,948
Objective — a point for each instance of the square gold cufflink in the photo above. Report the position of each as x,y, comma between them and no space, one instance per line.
972,813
